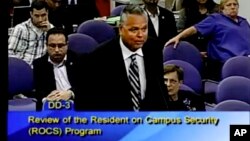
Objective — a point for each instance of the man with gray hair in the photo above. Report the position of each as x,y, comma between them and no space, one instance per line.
125,73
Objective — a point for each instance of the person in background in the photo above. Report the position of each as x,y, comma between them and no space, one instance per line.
125,73
56,13
76,12
228,36
193,12
54,72
27,39
161,23
180,100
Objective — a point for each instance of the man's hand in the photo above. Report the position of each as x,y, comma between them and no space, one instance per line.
59,95
52,96
203,54
45,26
64,95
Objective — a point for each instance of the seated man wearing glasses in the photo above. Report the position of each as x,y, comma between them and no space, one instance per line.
180,100
53,72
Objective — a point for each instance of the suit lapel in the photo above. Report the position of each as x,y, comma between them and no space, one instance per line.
146,57
69,67
161,18
151,84
119,62
151,29
119,76
50,73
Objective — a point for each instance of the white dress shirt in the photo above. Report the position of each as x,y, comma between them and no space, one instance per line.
140,61
69,2
61,77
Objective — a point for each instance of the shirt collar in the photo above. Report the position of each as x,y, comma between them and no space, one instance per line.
240,19
127,53
60,64
150,14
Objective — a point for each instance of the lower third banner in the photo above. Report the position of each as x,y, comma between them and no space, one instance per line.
124,126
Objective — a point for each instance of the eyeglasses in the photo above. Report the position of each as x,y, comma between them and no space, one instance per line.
171,81
56,45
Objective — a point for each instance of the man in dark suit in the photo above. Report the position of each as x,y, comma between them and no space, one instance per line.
78,11
161,23
56,12
54,72
125,73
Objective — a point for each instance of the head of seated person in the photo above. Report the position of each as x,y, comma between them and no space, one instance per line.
229,8
39,15
173,78
180,100
57,45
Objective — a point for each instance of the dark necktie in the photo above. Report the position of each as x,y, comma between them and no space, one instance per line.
134,80
72,2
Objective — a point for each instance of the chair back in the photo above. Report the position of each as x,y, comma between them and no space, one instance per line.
20,81
20,76
192,77
117,10
236,66
234,88
97,29
81,43
232,105
184,51
186,88
27,104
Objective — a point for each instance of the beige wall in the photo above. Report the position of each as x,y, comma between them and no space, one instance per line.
244,10
136,1
170,3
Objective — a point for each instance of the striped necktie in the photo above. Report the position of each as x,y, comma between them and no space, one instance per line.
134,80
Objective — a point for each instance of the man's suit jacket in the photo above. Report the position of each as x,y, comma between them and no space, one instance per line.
44,77
167,26
107,86
84,10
